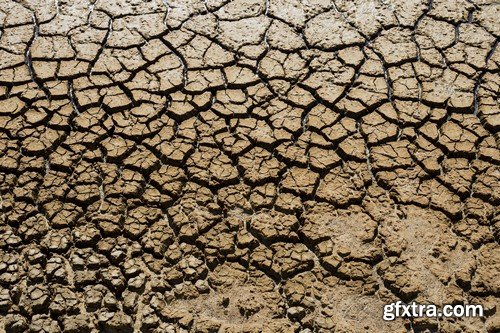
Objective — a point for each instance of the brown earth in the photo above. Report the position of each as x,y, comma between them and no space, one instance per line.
247,165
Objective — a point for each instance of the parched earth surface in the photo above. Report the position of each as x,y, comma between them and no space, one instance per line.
248,165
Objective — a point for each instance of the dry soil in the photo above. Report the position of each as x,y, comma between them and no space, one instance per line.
248,165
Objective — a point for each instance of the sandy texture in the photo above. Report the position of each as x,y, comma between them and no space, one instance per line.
247,165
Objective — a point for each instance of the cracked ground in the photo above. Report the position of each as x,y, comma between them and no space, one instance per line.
248,165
